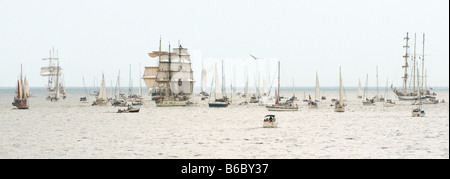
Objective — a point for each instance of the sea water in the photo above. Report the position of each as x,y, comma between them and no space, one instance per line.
72,129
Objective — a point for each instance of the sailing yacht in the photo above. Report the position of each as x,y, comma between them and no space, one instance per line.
278,106
245,95
102,99
311,103
21,100
203,93
388,102
360,92
220,100
119,99
339,106
378,98
418,112
366,101
255,97
84,98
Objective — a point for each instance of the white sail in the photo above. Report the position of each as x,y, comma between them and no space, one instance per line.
365,88
117,95
316,96
341,89
246,90
102,93
150,77
20,91
57,91
203,79
359,88
26,87
264,86
218,87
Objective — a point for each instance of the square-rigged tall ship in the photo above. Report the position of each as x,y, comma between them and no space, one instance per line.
407,93
171,82
55,87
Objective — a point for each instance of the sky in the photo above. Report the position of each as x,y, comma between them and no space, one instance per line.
95,36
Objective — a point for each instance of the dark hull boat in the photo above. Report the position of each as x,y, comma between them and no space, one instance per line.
129,110
20,101
218,105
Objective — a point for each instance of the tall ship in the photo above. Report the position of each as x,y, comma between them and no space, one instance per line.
171,82
409,92
55,85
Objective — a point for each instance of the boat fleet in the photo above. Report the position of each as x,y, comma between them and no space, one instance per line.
171,84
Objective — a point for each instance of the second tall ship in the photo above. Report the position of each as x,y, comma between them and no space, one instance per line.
408,93
172,80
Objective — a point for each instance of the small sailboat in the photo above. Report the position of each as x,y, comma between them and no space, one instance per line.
138,100
418,112
388,102
339,106
245,95
255,97
204,94
270,122
278,106
220,100
360,92
378,98
304,97
101,99
293,98
118,100
21,100
84,98
130,109
311,103
367,101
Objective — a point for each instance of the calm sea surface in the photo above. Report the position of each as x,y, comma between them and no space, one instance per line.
71,129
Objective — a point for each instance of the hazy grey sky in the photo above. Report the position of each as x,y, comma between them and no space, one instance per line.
107,35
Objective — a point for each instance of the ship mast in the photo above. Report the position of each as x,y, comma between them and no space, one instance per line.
278,78
423,59
169,91
414,66
21,90
405,77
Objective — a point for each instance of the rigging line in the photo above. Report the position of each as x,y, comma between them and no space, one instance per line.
271,85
